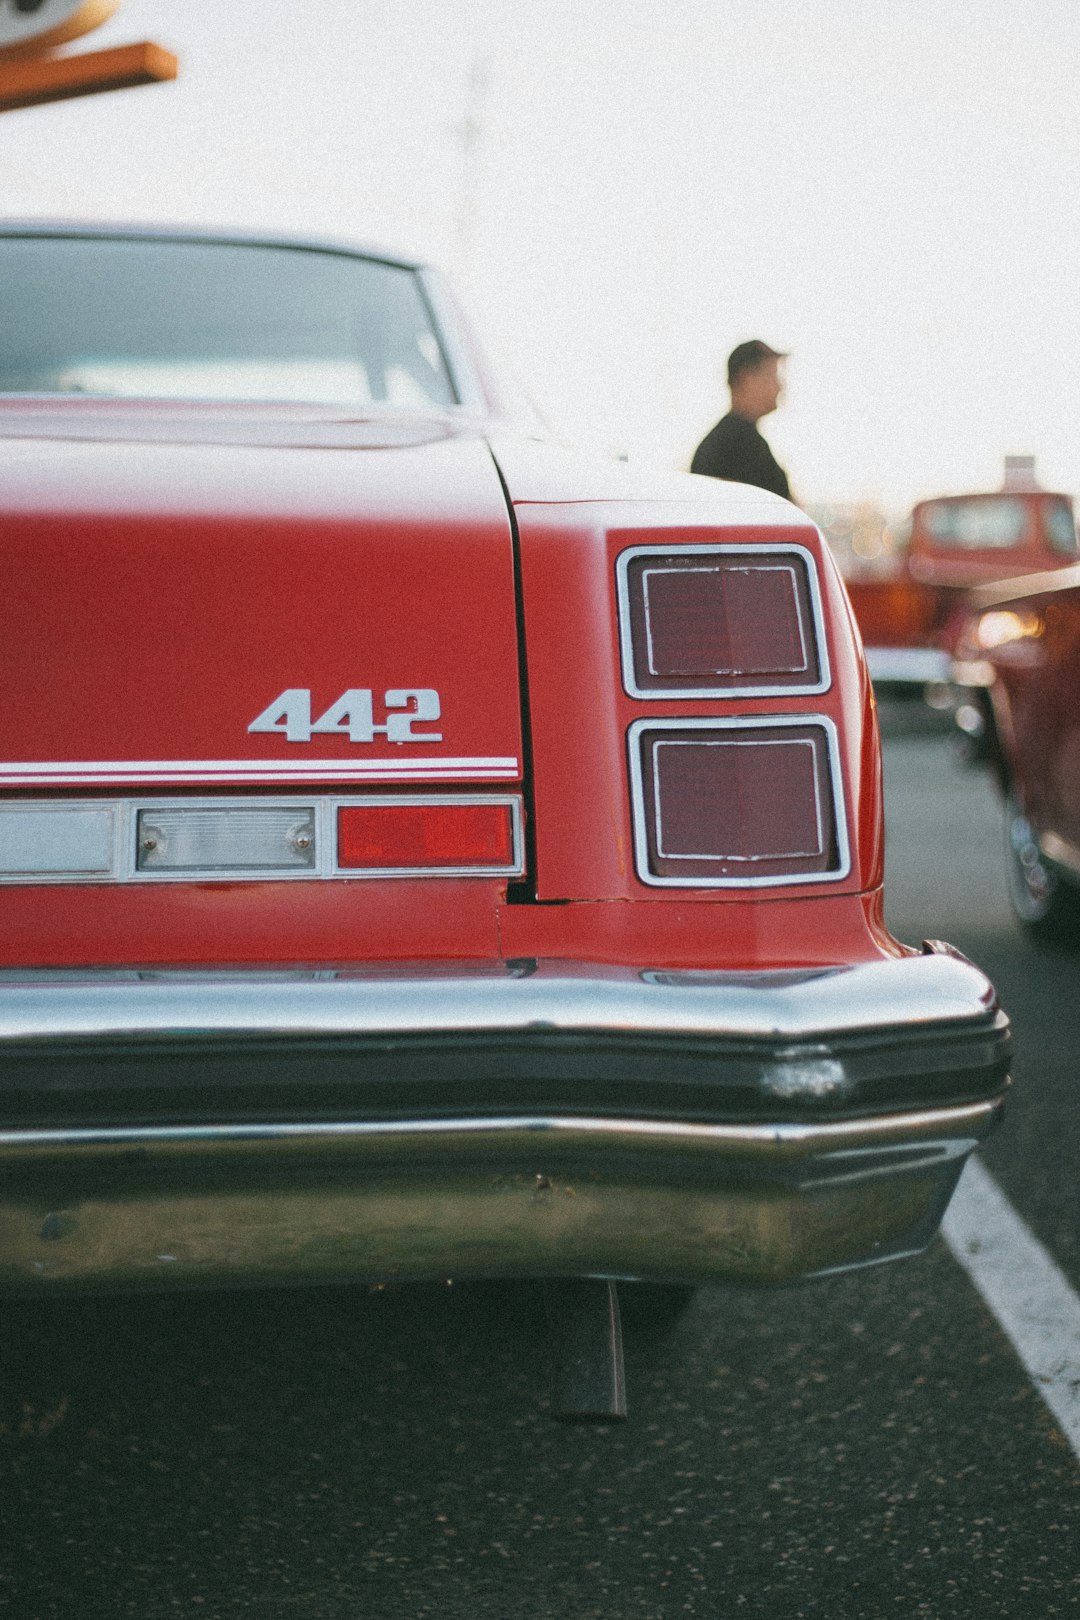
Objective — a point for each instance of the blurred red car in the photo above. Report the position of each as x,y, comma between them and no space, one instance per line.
1018,667
911,621
424,852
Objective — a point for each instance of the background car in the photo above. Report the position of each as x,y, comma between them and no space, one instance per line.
911,619
1018,667
425,852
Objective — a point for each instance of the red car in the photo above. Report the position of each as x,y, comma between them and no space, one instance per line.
424,852
911,621
1018,666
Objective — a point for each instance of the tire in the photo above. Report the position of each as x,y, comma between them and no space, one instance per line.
1044,902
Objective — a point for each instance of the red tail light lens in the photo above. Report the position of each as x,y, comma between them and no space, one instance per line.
739,803
397,836
720,621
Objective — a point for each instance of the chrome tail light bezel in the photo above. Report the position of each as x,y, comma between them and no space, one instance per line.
118,822
644,828
749,688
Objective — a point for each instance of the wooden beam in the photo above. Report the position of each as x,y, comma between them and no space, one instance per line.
30,82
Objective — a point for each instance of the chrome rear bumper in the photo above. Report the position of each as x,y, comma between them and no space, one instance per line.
539,1119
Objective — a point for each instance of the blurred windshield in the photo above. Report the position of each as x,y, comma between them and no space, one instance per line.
1060,527
994,520
166,319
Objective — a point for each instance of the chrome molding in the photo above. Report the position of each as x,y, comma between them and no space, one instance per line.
749,690
229,772
914,993
770,1139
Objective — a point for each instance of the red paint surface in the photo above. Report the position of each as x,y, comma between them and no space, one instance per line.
161,634
808,932
345,920
158,596
581,715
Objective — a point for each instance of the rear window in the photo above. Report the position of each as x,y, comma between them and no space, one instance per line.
143,318
990,521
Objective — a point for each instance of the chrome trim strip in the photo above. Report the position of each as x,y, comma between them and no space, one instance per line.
1060,851
913,993
90,772
781,690
323,812
919,665
770,1139
736,723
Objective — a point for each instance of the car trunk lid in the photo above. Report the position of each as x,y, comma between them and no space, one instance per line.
228,596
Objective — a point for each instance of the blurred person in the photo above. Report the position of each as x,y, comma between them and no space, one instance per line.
734,448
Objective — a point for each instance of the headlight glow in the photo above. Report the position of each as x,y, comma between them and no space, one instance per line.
999,628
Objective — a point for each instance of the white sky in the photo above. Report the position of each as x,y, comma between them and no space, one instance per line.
892,192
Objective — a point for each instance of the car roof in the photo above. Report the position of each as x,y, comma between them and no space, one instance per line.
107,229
994,495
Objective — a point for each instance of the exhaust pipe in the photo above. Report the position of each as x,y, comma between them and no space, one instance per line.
589,1382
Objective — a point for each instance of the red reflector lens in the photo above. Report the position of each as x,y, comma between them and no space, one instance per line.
723,621
728,800
736,805
719,620
386,836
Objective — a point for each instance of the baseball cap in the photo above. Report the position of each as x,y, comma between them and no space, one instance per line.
745,356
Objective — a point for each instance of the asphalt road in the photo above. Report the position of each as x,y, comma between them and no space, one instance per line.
860,1447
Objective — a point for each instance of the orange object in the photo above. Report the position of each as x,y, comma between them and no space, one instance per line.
22,35
33,80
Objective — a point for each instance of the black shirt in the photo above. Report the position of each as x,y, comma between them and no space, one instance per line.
735,449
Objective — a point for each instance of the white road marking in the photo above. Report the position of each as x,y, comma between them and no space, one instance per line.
1026,1290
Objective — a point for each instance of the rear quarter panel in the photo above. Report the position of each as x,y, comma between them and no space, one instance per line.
580,717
